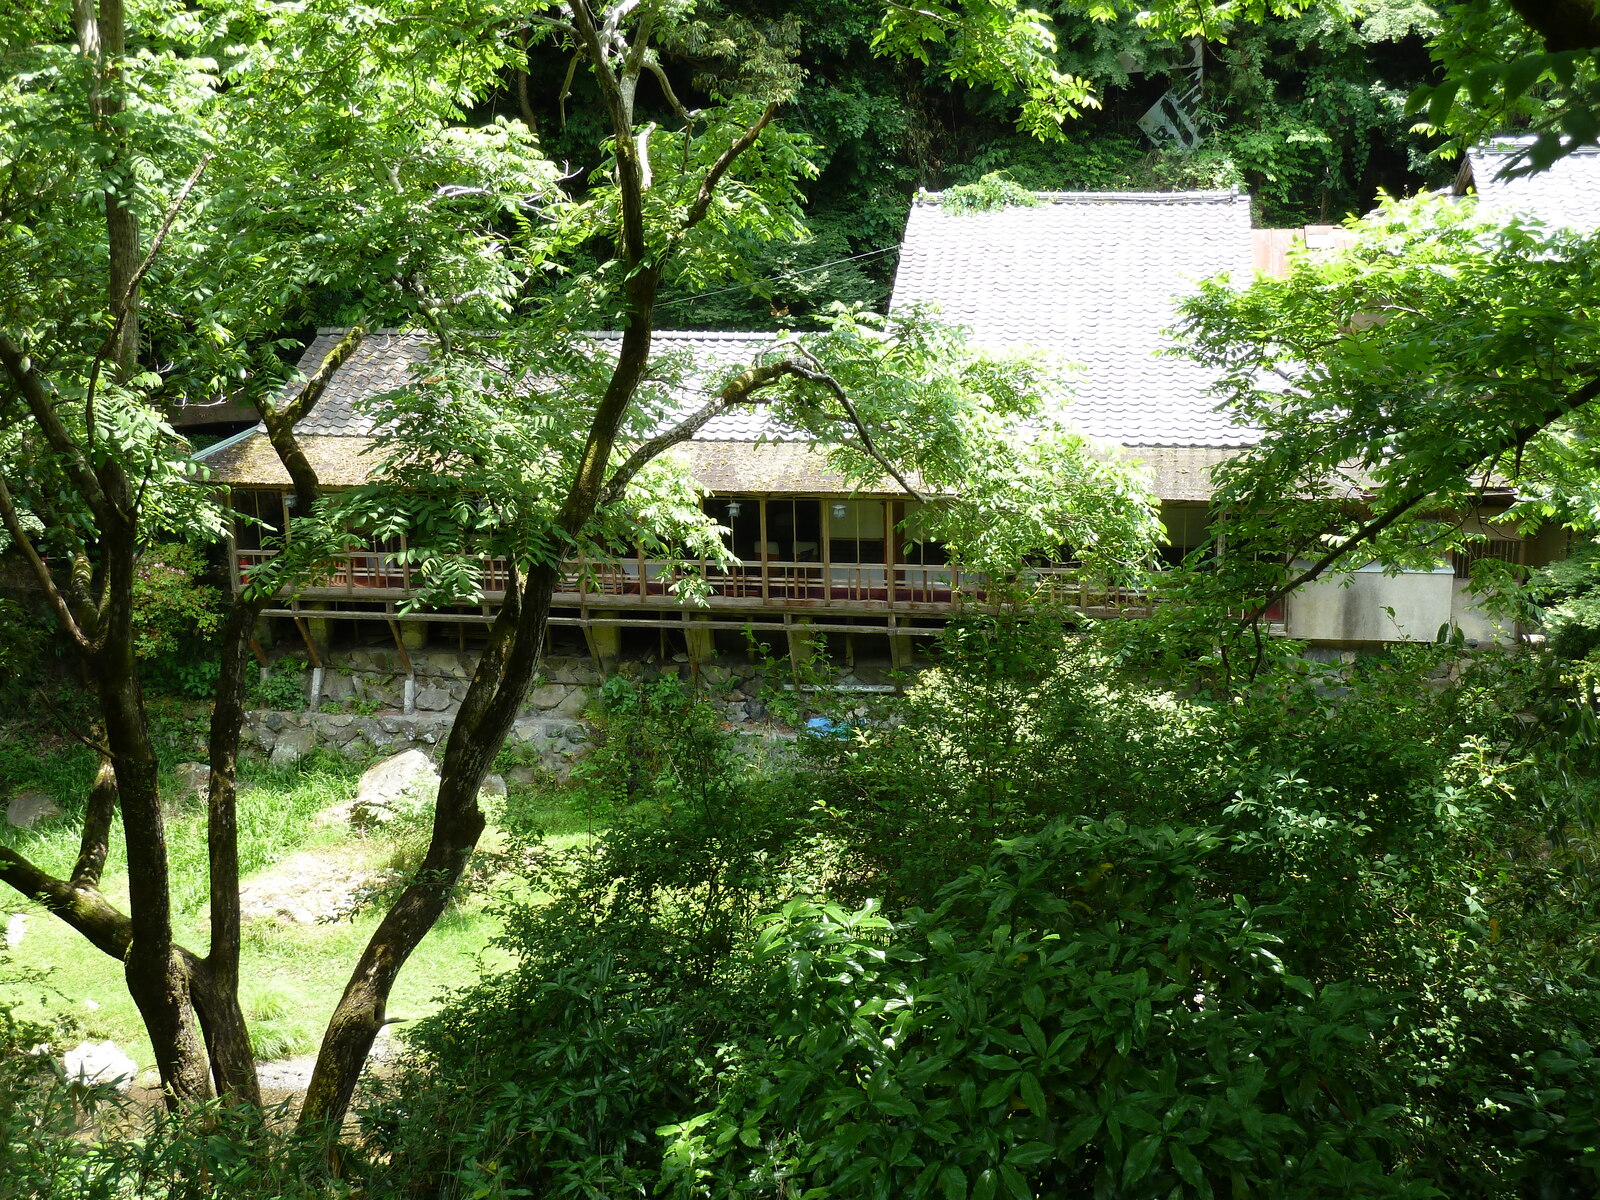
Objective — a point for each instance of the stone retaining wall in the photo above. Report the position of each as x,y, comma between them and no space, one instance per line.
551,744
359,710
365,677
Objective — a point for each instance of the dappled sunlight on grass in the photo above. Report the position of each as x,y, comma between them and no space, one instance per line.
293,972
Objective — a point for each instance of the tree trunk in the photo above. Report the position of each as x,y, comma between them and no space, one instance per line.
233,1061
158,977
504,672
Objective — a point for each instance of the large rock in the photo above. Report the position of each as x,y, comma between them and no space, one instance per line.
99,1062
399,781
494,785
576,700
432,698
194,779
28,809
291,746
548,695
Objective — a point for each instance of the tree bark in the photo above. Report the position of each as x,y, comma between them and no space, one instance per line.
233,1061
504,672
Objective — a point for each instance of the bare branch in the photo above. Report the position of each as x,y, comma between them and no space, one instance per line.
125,302
708,185
642,143
566,88
41,573
653,65
613,20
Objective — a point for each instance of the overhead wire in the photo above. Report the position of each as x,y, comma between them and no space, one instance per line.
780,275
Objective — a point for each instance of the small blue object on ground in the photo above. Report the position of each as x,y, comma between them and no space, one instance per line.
822,727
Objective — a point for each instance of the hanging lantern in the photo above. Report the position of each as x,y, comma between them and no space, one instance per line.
839,511
733,508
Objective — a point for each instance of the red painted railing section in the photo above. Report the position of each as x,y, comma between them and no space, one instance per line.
786,585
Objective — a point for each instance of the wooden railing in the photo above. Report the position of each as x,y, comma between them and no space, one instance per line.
790,585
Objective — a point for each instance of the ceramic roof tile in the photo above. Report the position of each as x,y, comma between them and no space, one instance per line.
1566,194
387,358
1091,277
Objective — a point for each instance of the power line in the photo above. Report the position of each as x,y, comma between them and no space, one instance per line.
780,275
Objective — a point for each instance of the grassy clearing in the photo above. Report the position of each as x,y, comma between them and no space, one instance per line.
293,972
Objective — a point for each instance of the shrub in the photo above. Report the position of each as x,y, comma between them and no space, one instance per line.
282,687
1075,1017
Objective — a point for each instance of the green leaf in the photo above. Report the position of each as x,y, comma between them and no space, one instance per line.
1188,1169
1032,1094
1137,1167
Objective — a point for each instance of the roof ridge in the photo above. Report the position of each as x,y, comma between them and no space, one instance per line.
1212,196
707,335
1497,143
714,335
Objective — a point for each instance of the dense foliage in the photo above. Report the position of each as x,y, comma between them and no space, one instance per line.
1335,935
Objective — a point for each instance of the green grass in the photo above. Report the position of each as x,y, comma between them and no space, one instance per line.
293,973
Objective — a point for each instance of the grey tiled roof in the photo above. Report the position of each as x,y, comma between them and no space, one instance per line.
1092,277
1567,193
386,359
381,363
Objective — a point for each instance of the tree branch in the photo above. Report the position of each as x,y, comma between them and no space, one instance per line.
125,303
280,422
1371,529
708,185
653,65
95,841
738,390
41,573
33,393
820,376
741,389
83,908
1513,438
619,108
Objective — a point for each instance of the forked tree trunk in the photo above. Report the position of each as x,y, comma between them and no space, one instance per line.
504,672
155,967
233,1060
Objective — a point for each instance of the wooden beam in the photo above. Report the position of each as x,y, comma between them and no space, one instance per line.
400,645
311,646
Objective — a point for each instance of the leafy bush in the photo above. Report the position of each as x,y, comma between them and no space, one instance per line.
1404,1006
993,191
283,687
40,1108
1075,1017
630,972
